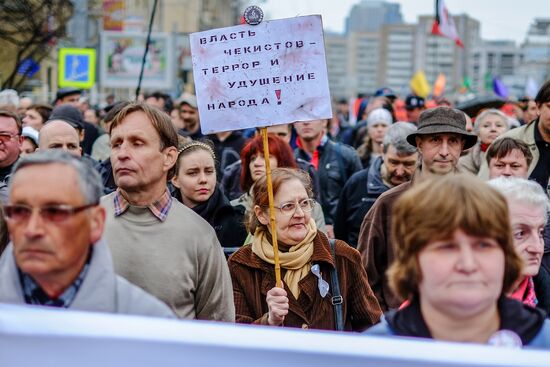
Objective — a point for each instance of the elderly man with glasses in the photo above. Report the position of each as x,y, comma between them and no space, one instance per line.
10,148
57,257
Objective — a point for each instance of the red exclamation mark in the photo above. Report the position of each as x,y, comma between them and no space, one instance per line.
278,95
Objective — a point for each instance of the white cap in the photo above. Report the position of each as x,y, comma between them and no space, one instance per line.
379,116
30,133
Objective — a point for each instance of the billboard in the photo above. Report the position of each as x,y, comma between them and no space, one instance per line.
122,55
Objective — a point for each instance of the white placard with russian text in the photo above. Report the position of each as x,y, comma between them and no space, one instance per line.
253,76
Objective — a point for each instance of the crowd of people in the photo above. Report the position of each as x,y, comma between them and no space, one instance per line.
425,222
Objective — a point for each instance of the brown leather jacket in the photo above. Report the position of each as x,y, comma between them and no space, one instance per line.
253,278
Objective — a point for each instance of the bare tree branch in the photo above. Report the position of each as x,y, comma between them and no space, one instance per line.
29,29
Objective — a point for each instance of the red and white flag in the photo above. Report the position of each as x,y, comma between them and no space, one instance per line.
444,24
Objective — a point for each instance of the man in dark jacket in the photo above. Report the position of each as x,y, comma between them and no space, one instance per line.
227,146
440,138
362,189
335,163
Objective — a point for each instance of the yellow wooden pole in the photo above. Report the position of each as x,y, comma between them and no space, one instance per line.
271,208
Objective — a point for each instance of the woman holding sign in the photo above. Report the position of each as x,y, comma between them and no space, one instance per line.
455,268
316,273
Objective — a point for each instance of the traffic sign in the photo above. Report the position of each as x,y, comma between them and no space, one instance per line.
77,67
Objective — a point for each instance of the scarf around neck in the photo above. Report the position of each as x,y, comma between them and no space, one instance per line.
297,261
525,292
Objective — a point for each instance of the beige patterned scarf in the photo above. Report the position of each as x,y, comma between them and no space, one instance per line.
297,261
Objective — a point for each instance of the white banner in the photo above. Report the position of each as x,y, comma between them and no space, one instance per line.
252,76
36,336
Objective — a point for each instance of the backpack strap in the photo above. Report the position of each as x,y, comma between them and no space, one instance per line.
337,299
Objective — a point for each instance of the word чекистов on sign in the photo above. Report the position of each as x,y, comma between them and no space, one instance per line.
259,77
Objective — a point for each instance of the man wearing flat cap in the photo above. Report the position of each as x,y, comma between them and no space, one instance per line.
440,138
70,96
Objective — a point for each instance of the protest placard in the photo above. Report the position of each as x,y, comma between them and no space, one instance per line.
252,76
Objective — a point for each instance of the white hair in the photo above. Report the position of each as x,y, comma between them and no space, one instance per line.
520,190
9,97
490,112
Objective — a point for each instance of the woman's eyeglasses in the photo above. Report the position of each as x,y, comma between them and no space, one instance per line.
306,205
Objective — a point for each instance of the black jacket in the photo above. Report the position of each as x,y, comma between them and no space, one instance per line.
542,280
358,195
231,180
337,163
227,151
228,223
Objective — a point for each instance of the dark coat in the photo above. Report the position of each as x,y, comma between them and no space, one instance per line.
376,248
542,289
231,180
253,278
105,170
337,163
358,196
227,151
91,133
542,280
225,220
197,135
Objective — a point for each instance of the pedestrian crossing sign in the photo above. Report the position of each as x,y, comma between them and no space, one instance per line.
77,67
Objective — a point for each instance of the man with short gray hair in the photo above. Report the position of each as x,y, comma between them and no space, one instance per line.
57,257
394,167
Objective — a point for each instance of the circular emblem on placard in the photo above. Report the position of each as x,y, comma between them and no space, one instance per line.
253,15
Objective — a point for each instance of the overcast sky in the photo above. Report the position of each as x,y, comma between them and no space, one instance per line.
500,19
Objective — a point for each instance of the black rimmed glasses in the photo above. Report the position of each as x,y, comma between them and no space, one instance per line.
49,213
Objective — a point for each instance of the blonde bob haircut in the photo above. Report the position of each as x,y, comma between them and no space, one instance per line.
260,195
432,211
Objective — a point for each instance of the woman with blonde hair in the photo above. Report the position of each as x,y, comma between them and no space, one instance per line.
488,126
325,285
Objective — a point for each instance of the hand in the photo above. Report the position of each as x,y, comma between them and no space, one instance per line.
330,231
277,302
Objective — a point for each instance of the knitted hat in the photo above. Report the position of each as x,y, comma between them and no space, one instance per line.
379,116
69,114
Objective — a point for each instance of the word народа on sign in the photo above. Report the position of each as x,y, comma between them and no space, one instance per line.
253,76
